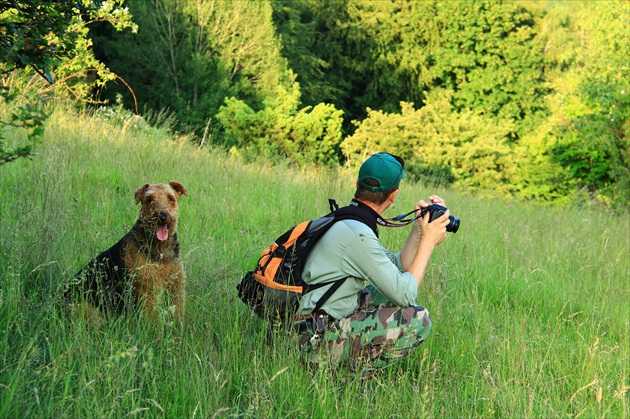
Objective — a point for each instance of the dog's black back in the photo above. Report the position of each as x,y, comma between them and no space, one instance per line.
104,281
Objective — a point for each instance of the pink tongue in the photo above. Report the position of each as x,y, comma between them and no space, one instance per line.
162,232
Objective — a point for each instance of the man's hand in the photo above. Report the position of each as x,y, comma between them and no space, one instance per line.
423,238
433,199
432,233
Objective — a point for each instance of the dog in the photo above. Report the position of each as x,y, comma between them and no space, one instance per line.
141,269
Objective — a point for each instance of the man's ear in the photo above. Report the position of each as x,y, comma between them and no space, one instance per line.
392,196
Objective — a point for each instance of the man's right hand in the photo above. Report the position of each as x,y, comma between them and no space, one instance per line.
433,233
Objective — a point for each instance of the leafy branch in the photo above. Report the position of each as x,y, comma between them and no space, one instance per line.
48,37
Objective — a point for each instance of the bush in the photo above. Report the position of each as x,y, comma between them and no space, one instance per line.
465,148
280,130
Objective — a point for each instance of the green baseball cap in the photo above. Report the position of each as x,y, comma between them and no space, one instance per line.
384,168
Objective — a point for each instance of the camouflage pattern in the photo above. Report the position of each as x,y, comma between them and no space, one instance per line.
370,339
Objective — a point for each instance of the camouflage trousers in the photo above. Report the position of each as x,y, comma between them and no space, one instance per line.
370,339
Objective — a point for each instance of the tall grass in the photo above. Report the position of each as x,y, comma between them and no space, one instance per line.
529,304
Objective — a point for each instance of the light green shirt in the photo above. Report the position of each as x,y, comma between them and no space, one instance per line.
351,249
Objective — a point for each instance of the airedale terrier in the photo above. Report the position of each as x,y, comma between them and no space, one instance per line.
144,266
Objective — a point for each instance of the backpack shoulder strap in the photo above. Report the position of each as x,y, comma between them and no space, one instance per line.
358,213
329,292
351,212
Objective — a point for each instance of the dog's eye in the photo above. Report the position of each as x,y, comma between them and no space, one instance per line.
171,198
150,199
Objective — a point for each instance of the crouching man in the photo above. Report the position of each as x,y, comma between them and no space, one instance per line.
368,326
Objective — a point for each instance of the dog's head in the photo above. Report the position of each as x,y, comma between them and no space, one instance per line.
159,207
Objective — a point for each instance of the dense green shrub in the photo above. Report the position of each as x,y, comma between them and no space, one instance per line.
469,147
307,135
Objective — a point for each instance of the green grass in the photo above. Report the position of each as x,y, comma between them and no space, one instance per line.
529,304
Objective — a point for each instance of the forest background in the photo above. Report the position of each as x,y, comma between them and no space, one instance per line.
527,99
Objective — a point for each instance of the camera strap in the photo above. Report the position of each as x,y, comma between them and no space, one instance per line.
401,220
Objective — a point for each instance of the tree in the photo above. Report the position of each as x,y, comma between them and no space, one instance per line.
297,29
490,54
378,53
48,38
591,138
189,55
328,70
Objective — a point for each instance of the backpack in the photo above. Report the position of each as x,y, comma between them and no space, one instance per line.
273,289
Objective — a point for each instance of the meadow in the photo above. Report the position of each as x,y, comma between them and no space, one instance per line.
530,304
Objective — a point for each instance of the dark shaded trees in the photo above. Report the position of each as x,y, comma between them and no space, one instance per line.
188,56
377,54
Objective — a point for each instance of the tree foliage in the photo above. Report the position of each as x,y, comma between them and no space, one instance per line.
462,147
377,54
50,39
298,32
491,56
592,141
556,65
189,55
281,130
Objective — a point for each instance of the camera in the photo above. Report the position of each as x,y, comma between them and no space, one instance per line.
437,211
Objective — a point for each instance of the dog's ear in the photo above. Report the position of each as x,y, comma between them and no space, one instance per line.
140,191
179,188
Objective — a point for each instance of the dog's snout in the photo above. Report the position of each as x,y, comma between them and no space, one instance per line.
161,217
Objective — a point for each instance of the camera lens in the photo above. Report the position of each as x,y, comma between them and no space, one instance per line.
453,225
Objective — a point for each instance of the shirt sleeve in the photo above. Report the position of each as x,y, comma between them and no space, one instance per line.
367,258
